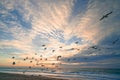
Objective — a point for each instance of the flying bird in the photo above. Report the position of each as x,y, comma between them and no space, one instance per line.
53,63
45,48
94,47
45,59
114,42
76,42
105,16
30,67
24,59
58,57
60,47
13,63
68,59
43,45
13,57
30,61
53,50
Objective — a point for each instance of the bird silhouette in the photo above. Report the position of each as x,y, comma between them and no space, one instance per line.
24,59
60,47
32,57
13,57
30,67
106,15
114,42
43,45
13,63
76,42
53,63
30,61
45,59
94,47
35,53
53,50
45,48
58,57
68,59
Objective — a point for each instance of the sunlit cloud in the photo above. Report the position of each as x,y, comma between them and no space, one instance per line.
27,25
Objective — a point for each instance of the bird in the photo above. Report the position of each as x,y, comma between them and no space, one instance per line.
53,50
30,61
26,57
58,57
60,47
40,58
53,63
30,67
45,48
45,59
74,58
68,59
13,63
32,57
106,15
114,42
94,47
43,45
76,42
13,57
40,55
42,65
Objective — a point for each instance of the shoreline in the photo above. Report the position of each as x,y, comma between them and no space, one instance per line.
12,76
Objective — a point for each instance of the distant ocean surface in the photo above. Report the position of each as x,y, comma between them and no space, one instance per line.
73,74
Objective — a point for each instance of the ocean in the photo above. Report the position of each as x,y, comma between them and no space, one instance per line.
72,74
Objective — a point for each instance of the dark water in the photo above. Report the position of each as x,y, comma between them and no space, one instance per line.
77,74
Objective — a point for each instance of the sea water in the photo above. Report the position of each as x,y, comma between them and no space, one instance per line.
73,74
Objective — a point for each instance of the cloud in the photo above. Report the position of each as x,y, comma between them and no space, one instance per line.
31,24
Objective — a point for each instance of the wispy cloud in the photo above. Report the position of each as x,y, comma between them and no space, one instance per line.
27,25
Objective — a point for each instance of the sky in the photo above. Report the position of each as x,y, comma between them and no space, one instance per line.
71,29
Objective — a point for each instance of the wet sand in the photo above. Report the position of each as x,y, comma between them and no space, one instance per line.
8,76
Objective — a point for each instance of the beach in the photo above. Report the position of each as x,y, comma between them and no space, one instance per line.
9,76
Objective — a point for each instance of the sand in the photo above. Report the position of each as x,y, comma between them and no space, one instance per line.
8,76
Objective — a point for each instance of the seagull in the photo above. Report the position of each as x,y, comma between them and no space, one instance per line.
30,61
43,45
40,55
94,47
105,16
35,53
60,47
74,58
115,41
13,63
68,59
40,58
53,50
32,57
26,57
13,57
76,42
46,59
30,67
58,57
45,48
53,63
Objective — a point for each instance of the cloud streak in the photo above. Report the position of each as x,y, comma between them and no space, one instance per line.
27,25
